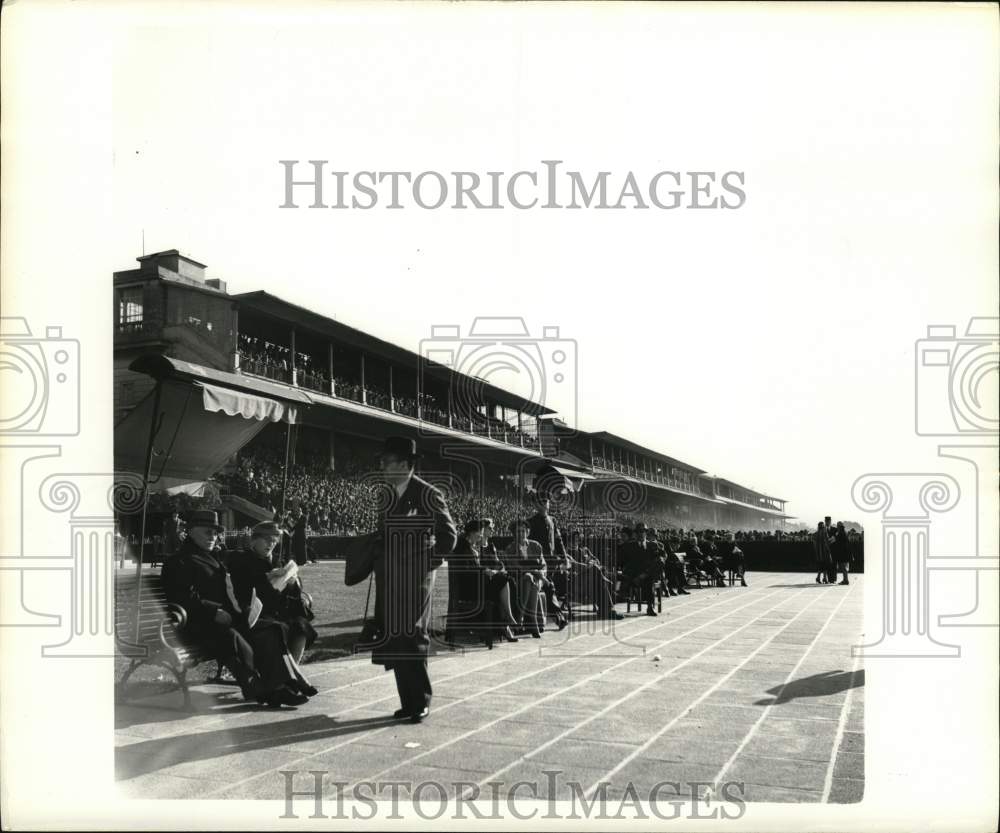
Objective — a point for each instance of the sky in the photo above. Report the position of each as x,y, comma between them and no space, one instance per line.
772,344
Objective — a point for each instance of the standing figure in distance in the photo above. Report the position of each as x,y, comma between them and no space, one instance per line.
821,547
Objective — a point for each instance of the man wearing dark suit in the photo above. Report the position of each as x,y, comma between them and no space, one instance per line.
542,528
197,579
415,533
638,567
300,548
172,528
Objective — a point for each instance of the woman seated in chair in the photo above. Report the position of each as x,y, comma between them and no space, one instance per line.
525,562
734,561
501,587
588,580
466,586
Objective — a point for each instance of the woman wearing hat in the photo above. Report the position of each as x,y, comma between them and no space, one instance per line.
526,562
501,588
466,585
196,578
279,595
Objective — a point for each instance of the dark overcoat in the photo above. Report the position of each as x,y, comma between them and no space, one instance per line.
197,581
405,567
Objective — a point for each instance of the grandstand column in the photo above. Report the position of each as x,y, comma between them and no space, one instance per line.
364,389
234,360
392,398
294,356
329,367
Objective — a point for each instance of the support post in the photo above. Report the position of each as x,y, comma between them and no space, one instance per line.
154,427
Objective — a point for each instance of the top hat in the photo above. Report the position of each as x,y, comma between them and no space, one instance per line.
204,517
640,527
268,529
475,525
487,523
402,447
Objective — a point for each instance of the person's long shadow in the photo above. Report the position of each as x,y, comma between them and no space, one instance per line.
167,708
347,623
829,682
151,755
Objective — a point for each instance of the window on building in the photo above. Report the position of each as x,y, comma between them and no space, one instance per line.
130,308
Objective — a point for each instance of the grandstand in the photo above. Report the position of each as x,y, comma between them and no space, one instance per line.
248,385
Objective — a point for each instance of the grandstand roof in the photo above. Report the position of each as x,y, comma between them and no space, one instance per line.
266,303
631,446
748,489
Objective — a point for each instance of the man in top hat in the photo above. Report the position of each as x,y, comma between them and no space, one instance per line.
415,532
196,578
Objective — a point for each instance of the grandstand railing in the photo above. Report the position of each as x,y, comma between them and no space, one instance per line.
265,368
405,406
378,399
477,424
313,381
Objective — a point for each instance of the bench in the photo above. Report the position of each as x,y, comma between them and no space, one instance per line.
158,642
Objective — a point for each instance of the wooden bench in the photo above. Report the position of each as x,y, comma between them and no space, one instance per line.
158,642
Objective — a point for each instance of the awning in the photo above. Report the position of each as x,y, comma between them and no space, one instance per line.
165,367
246,405
573,473
198,428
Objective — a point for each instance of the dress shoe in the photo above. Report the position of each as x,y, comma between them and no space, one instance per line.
614,614
536,634
288,697
508,635
683,592
399,714
651,612
420,715
743,582
282,696
561,622
843,582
